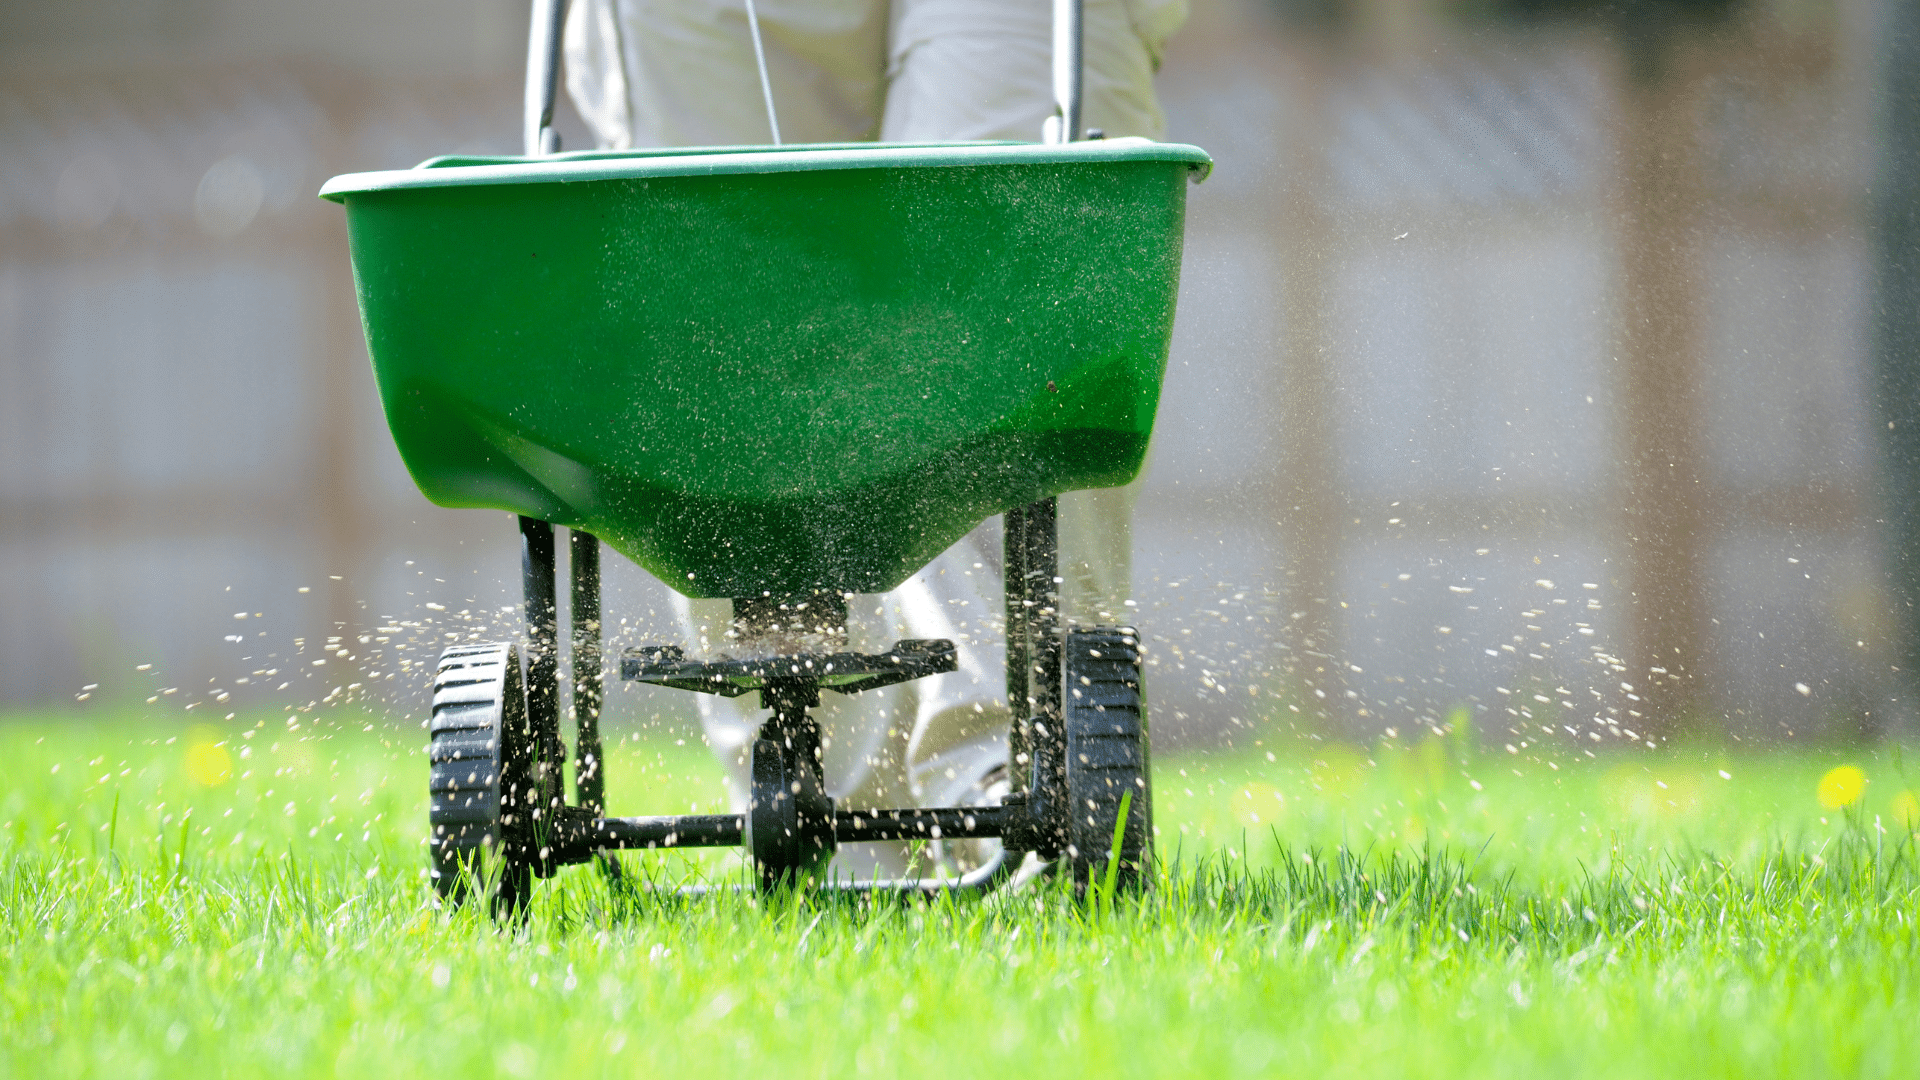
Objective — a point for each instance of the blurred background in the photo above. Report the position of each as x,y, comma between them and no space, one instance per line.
1541,365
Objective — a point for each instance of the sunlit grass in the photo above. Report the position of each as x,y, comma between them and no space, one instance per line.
1541,818
186,900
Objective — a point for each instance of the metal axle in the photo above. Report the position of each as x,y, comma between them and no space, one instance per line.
579,838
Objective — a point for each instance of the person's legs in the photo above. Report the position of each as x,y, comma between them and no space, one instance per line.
681,72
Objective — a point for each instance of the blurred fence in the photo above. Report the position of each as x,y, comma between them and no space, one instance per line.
1522,367
1533,353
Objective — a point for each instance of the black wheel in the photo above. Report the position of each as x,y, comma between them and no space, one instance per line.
480,784
1105,716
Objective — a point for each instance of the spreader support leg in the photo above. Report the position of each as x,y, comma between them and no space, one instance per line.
588,679
543,673
1036,742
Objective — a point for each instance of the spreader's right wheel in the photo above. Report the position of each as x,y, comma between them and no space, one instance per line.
481,780
1105,716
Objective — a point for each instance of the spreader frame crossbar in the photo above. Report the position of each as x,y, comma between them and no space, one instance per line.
577,838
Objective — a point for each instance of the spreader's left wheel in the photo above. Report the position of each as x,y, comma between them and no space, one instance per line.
481,779
1104,712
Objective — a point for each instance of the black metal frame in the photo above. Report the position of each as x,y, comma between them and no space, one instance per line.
792,827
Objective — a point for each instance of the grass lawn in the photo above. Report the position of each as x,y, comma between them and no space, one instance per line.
187,900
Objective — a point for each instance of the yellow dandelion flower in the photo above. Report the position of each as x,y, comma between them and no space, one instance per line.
1842,786
208,763
1906,810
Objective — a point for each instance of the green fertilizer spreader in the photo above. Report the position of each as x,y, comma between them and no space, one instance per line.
782,376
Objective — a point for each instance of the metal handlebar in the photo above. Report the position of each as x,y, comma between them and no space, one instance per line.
1064,125
543,77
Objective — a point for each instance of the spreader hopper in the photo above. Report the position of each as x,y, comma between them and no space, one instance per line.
762,371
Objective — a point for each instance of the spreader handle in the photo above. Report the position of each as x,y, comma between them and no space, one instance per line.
1064,125
543,77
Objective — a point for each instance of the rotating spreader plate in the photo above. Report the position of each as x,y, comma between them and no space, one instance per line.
841,672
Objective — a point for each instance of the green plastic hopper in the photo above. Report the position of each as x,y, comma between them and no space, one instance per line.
772,371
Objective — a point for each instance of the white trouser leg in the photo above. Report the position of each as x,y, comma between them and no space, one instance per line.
983,69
